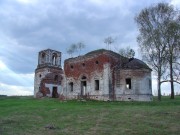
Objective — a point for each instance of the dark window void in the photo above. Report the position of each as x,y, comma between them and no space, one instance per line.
128,83
56,78
84,77
43,57
97,62
83,64
72,66
96,84
71,86
54,93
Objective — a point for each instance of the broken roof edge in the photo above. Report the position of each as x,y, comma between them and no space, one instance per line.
135,63
46,50
97,52
131,63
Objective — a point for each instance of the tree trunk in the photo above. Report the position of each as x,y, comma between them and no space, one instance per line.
159,88
159,77
171,79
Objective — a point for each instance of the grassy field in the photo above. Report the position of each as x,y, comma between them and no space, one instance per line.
28,116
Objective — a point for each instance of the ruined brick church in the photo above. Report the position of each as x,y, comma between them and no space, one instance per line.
99,75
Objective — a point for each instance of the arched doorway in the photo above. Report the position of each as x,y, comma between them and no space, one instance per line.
54,92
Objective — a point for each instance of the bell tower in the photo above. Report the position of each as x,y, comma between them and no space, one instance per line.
49,58
48,74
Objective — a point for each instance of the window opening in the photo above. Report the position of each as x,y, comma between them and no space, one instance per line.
54,93
43,58
84,77
71,86
56,78
54,59
83,88
96,84
128,83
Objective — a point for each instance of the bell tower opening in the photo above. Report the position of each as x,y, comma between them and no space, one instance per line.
43,58
54,59
50,58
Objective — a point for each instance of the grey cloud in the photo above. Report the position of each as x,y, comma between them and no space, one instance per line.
56,24
25,29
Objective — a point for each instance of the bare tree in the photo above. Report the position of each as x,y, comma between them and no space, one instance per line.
69,51
127,52
80,46
163,21
152,22
172,39
72,49
75,48
108,41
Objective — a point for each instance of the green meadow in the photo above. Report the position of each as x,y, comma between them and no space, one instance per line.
29,116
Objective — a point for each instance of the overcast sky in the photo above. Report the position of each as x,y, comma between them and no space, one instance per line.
29,26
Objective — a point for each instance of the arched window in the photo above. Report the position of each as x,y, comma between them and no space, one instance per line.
43,58
71,86
83,77
54,59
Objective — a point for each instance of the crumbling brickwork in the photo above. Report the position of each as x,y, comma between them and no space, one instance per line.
96,68
49,74
100,75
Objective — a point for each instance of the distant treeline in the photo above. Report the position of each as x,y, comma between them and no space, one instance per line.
3,95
